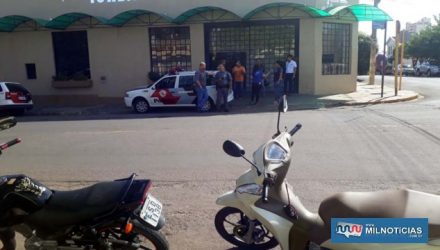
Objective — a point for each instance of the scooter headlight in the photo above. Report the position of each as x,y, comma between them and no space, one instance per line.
275,153
252,188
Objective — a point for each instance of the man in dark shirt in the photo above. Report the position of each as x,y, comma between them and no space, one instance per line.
223,80
200,87
277,80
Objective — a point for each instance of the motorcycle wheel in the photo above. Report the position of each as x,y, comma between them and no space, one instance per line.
151,239
145,237
231,221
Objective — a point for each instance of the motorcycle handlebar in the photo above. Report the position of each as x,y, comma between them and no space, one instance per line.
9,144
295,129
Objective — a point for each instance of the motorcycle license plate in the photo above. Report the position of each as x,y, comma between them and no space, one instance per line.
151,210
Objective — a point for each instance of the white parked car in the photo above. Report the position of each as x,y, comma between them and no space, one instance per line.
14,97
171,91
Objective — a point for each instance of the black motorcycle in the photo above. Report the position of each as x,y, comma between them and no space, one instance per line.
119,214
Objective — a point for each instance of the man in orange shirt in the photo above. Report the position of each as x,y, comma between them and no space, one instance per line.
238,73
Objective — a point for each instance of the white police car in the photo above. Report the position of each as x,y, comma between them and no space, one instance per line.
171,91
14,97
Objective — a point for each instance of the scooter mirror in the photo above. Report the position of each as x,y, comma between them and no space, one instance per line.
8,122
282,106
233,149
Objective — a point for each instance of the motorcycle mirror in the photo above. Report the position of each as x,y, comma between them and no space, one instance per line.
8,122
233,149
283,106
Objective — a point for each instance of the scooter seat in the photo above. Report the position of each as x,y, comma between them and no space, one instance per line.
384,204
68,208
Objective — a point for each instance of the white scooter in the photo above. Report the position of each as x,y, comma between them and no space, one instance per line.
263,210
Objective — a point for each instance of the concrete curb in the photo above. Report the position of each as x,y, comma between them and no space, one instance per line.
382,101
316,104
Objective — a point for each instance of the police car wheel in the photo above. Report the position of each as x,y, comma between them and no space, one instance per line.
209,105
140,105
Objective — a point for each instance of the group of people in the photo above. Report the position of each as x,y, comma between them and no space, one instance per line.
283,77
223,82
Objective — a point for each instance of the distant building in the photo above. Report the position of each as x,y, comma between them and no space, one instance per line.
391,45
415,28
406,35
409,32
333,3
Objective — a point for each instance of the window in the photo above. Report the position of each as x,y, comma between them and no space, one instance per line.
31,71
169,48
14,87
186,82
166,83
71,54
336,48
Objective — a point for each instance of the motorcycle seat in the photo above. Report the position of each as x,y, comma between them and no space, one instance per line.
74,207
402,203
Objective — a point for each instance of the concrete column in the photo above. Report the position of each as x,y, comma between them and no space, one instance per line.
354,51
308,54
197,44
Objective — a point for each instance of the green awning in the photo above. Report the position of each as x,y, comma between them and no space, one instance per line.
311,11
10,23
362,12
192,12
124,17
63,21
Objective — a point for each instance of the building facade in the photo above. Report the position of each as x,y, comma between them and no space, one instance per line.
415,28
391,45
94,50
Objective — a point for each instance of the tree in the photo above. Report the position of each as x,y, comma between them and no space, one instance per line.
427,43
364,49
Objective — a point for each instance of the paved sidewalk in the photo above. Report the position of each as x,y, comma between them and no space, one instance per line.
371,94
59,110
365,95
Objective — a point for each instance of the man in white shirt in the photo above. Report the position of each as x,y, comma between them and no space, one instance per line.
289,75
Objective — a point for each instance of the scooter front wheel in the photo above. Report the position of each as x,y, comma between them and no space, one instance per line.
233,225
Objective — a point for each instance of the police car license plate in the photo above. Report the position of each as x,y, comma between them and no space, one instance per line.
151,210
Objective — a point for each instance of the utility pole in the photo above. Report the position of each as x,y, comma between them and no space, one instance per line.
402,51
384,60
373,50
396,58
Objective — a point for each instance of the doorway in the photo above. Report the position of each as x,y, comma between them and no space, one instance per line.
230,58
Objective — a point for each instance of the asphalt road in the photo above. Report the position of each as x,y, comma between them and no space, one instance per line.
339,149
